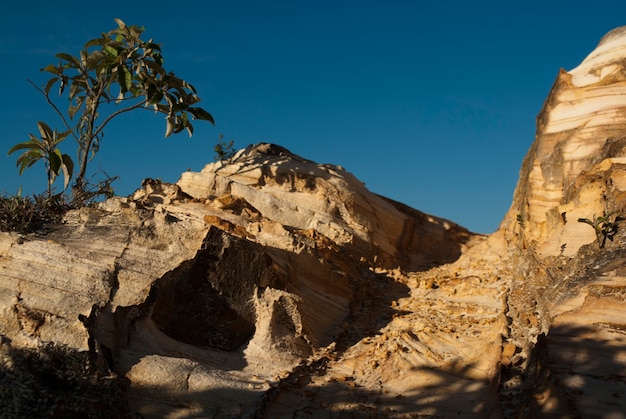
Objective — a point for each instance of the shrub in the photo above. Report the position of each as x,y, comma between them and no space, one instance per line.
26,215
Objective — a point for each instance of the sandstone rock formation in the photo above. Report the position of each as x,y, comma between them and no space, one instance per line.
225,281
575,168
570,273
272,286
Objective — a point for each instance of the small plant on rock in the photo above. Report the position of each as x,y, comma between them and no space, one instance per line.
25,215
603,226
46,149
224,150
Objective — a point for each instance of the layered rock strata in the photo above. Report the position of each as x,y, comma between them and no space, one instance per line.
223,282
267,183
268,285
575,168
565,236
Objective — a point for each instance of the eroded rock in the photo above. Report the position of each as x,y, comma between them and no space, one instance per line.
268,285
575,168
296,193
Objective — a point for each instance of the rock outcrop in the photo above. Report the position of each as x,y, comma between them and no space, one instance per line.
575,168
266,187
227,280
269,285
564,231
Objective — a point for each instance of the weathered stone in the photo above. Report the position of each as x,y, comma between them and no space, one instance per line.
575,167
271,286
268,181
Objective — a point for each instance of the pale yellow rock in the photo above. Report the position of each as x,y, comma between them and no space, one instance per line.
508,350
269,285
291,191
580,141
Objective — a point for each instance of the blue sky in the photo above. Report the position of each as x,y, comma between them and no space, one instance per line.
429,103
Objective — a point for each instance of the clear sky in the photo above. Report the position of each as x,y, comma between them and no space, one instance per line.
431,103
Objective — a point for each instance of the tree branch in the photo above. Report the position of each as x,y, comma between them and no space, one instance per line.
51,103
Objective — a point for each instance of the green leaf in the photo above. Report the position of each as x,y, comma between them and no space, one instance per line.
158,97
71,110
21,146
159,107
67,57
22,164
50,84
93,43
68,169
189,86
44,130
152,45
117,57
52,69
200,113
120,23
83,58
62,136
121,80
55,161
27,159
170,126
154,66
128,78
75,88
158,58
112,52
151,93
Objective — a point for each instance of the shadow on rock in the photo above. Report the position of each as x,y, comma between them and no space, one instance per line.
587,370
53,381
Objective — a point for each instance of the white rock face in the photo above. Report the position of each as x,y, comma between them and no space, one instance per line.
575,168
604,61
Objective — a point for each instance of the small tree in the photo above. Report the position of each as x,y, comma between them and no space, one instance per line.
224,150
118,59
45,148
